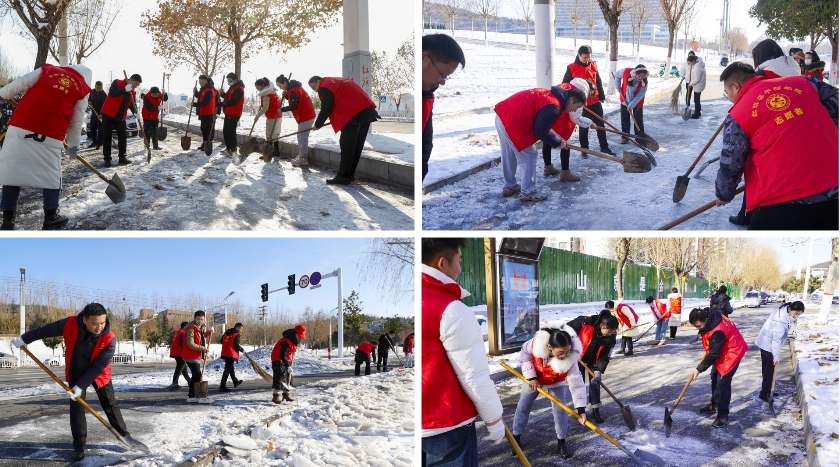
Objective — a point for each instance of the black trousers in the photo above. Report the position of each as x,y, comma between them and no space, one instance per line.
382,361
180,370
149,127
108,126
78,422
229,132
351,141
195,370
281,380
362,357
767,368
96,130
583,133
628,342
743,215
206,127
787,216
673,331
722,390
229,370
564,156
638,114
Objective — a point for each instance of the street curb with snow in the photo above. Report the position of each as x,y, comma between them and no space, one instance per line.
387,172
810,449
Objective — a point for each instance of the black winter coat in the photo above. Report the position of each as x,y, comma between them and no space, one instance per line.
720,302
716,340
385,343
598,342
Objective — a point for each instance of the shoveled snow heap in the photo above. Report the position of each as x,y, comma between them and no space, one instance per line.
304,364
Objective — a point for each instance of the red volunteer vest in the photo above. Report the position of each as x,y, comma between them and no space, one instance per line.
623,318
408,344
112,104
209,109
564,126
587,72
71,332
624,80
658,309
186,352
234,110
227,346
734,348
545,374
445,403
366,347
305,110
273,106
350,99
519,111
676,306
817,74
47,107
774,113
585,336
175,349
275,352
428,104
155,102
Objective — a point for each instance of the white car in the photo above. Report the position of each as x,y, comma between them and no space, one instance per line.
8,360
753,299
130,125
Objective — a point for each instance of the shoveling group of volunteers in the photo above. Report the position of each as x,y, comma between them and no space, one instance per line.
49,112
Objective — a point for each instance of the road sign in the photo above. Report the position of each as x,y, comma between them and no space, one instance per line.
383,98
315,278
184,98
303,282
219,319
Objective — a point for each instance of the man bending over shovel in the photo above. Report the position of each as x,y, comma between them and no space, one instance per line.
89,347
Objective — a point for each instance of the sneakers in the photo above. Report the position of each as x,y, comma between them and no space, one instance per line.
107,163
78,454
276,398
172,387
620,352
532,197
204,400
550,170
192,400
237,383
720,422
123,160
629,353
708,409
662,342
338,181
623,140
655,343
563,449
300,161
568,176
507,192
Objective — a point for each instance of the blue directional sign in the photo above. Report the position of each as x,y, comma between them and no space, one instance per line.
315,278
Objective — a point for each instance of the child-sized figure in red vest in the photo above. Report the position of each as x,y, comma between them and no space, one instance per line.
230,354
176,350
632,86
89,347
282,359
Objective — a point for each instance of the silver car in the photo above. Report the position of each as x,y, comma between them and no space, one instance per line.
753,299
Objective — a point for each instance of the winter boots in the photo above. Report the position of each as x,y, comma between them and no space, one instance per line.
224,389
608,151
518,443
53,220
78,454
123,160
237,383
300,161
623,140
596,416
287,398
550,170
720,422
8,220
568,176
276,398
709,409
563,449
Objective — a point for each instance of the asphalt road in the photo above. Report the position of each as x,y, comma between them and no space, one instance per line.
649,381
11,378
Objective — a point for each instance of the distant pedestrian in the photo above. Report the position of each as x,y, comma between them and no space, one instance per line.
96,100
282,359
628,325
660,316
440,58
773,334
675,304
586,69
176,349
720,301
386,343
813,65
363,355
230,354
408,350
632,84
696,82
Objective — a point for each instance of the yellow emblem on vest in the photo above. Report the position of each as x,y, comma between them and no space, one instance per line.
64,81
778,102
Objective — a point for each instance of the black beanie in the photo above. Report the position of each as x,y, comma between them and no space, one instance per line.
584,49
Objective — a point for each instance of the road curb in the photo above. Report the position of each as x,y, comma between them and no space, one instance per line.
386,172
810,445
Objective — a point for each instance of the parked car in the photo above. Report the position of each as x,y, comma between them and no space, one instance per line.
8,360
752,299
763,296
55,361
130,125
834,300
121,358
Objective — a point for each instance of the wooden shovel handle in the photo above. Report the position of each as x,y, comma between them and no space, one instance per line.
189,115
690,379
295,133
629,110
95,113
92,168
602,385
709,143
515,446
695,212
616,130
595,153
773,386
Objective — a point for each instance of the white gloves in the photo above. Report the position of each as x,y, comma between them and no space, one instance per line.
18,342
128,87
74,151
496,432
597,378
77,392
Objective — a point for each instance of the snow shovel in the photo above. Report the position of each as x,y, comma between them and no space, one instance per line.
706,164
632,138
626,413
631,161
295,133
201,386
770,397
258,369
395,352
636,458
78,399
646,331
140,124
515,446
642,141
695,212
160,131
115,190
186,141
248,146
686,113
682,181
267,150
668,420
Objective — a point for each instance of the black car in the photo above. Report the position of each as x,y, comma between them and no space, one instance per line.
724,61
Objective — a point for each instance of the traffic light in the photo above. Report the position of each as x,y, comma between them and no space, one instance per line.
291,284
264,289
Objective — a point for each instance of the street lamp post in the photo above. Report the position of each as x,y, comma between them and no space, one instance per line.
134,336
22,301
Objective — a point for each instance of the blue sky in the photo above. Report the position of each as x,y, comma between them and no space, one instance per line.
212,267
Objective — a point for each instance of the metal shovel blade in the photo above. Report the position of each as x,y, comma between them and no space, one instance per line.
201,389
647,458
772,409
647,142
248,147
161,132
115,190
186,142
208,147
686,113
650,157
668,422
628,418
635,163
680,188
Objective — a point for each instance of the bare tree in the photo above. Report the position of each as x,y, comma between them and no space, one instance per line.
40,18
590,18
389,263
672,11
639,15
196,46
451,9
737,39
574,12
485,9
830,282
9,71
89,22
688,25
472,13
612,10
429,9
525,10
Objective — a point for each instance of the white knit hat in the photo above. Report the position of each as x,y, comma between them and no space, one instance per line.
582,85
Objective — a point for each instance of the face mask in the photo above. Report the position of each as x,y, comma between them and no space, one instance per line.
807,61
230,83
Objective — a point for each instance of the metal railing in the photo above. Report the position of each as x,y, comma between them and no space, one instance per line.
397,116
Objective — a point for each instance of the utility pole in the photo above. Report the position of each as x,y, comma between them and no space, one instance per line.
62,40
808,270
544,32
22,301
262,318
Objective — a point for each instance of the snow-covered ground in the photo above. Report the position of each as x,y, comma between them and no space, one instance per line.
816,350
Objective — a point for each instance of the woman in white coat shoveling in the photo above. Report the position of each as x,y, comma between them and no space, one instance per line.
549,360
770,339
270,107
695,81
50,114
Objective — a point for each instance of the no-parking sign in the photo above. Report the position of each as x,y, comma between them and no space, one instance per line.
303,282
315,278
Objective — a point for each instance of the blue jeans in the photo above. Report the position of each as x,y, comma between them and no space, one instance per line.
455,448
12,193
661,329
523,410
526,159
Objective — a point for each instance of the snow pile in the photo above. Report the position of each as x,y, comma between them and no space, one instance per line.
818,366
180,110
304,364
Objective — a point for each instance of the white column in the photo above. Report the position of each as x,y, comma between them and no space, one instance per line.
62,40
356,62
544,42
340,315
22,305
808,271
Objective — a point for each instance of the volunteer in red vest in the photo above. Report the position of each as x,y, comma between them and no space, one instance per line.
675,303
440,58
455,382
363,355
176,349
597,339
628,325
632,84
89,346
120,99
351,111
660,314
725,347
782,192
549,361
195,351
813,65
270,107
205,106
152,101
230,354
585,68
232,105
51,112
567,124
523,119
282,359
408,350
302,109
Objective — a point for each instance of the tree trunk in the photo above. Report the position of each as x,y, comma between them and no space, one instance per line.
485,31
613,44
671,34
830,283
832,38
574,33
43,42
237,58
